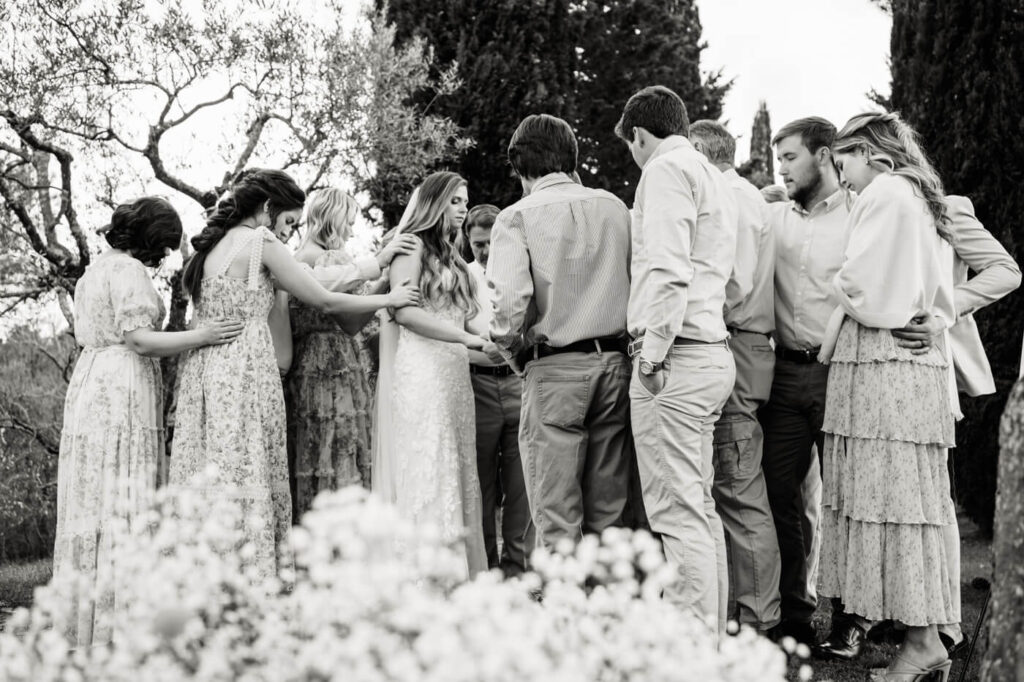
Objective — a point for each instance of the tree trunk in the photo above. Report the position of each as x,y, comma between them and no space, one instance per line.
1004,659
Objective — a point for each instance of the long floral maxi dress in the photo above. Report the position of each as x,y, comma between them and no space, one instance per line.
888,424
112,444
230,421
328,398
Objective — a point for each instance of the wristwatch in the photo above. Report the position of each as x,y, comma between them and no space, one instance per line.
647,368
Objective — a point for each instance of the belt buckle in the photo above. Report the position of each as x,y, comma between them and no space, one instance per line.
635,346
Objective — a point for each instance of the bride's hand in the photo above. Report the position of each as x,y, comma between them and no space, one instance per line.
474,342
404,295
402,245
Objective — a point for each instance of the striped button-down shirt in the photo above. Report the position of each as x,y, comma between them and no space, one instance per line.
684,247
755,261
559,263
809,250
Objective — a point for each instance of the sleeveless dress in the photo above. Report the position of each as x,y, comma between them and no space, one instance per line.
231,412
328,399
112,443
433,417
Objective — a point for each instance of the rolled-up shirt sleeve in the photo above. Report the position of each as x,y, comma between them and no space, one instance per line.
508,270
670,217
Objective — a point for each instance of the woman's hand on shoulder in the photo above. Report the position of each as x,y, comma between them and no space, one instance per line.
402,245
405,294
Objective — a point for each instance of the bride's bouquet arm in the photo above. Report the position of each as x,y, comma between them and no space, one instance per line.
407,268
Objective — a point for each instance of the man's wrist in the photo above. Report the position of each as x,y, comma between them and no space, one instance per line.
648,368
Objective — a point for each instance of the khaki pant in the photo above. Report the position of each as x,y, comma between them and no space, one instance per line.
673,431
573,439
498,404
740,492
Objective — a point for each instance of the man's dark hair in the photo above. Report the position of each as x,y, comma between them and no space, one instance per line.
658,110
815,132
542,144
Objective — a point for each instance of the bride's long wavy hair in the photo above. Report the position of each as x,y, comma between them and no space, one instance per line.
444,277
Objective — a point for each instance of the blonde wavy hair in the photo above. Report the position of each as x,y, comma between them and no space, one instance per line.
444,277
892,146
330,214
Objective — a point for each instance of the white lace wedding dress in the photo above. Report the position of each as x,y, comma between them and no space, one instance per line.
434,438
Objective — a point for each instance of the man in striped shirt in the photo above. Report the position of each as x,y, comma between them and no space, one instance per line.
559,264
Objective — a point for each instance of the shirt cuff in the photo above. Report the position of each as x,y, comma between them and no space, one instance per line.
655,346
368,267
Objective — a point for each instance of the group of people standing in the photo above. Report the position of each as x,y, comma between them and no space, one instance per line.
779,372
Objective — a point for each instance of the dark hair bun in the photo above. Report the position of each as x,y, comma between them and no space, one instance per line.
145,228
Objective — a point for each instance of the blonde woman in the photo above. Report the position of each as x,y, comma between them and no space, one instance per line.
327,393
425,436
889,411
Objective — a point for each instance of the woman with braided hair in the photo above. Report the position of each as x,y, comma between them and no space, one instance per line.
230,402
889,410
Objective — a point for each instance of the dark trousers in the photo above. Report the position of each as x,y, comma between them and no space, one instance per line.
574,442
498,403
792,427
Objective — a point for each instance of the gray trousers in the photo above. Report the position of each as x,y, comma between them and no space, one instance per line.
573,439
740,492
673,432
498,404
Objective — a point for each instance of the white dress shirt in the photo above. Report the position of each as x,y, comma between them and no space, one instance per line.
684,247
809,247
754,310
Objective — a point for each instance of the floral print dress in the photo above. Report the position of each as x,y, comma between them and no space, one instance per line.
230,421
112,443
329,398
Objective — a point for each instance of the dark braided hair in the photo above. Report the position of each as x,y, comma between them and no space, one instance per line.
145,228
249,190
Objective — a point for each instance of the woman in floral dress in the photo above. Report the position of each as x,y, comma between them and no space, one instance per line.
230,421
327,393
112,444
889,412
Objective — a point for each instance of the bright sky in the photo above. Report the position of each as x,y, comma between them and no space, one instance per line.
803,57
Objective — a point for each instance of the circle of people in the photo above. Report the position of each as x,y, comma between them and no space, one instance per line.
777,371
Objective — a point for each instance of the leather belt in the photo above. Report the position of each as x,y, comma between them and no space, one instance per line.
495,371
611,344
736,330
637,344
800,357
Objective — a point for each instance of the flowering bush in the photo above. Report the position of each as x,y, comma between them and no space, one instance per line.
373,598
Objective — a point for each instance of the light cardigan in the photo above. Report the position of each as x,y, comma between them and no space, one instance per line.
896,266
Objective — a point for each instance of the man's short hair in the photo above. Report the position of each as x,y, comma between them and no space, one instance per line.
658,110
542,144
815,132
481,215
719,144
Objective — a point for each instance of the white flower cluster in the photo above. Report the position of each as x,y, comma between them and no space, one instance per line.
372,598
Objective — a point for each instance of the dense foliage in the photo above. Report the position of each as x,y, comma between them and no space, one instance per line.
577,60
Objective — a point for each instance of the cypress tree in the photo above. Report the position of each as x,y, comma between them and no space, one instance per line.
760,168
577,60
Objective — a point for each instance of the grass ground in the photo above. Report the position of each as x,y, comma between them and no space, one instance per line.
17,581
975,562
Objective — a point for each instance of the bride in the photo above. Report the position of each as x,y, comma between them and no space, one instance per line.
425,438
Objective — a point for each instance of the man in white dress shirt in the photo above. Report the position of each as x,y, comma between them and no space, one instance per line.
810,234
740,490
497,392
684,245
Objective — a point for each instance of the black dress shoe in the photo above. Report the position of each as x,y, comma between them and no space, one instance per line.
843,643
802,632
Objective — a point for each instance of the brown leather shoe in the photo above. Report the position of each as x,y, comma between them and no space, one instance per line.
844,643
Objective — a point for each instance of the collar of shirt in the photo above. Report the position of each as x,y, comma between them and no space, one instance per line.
551,180
731,173
668,144
830,202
